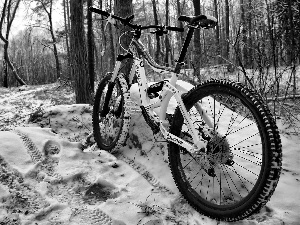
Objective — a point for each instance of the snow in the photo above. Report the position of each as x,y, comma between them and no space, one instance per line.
46,177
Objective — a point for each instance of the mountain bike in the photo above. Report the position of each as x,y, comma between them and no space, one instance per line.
224,148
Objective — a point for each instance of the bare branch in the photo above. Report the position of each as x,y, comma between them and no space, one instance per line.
2,21
13,15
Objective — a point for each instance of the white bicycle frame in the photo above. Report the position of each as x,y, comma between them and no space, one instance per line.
170,88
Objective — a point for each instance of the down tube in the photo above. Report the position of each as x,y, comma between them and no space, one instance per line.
198,107
200,144
142,81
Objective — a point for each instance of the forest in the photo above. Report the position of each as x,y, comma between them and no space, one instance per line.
255,42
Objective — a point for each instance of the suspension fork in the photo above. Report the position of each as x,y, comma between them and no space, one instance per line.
111,83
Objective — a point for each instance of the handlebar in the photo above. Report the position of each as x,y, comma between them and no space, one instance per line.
126,21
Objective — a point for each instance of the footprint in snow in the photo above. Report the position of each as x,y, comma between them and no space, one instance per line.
99,192
51,150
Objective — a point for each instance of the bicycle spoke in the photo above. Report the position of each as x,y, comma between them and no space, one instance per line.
245,139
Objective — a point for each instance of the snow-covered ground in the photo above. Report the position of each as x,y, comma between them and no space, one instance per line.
46,177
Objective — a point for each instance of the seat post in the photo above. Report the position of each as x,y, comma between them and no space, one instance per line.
184,49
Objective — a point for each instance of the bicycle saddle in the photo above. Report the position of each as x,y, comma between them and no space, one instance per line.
202,20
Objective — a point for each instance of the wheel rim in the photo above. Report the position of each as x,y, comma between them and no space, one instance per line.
227,185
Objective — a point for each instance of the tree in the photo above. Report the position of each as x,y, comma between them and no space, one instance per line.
243,32
167,41
91,46
217,30
197,43
79,53
148,37
158,47
47,7
9,11
112,57
124,8
250,39
292,44
67,30
180,36
227,29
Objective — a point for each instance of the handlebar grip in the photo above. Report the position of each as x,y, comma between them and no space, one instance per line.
99,11
178,29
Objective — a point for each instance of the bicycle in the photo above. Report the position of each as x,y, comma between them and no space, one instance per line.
224,148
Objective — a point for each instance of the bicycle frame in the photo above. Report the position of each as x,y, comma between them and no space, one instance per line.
170,88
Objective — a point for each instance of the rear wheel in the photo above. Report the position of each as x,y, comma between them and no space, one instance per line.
111,130
239,170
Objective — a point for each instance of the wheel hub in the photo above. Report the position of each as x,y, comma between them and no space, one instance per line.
218,152
218,149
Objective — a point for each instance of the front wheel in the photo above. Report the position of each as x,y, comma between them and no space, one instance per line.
238,171
111,128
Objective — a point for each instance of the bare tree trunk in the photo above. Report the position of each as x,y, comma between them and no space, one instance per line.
67,30
197,43
102,46
298,40
227,29
112,57
180,36
148,37
79,53
10,18
167,41
243,32
292,46
158,47
51,29
5,76
91,47
272,39
124,9
250,40
217,31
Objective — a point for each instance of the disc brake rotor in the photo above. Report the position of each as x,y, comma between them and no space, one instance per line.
218,149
